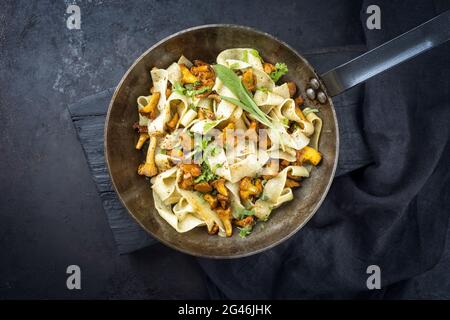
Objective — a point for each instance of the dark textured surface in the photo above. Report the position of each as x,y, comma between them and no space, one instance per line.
89,116
51,215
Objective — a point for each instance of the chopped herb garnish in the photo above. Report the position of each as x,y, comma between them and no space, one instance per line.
217,166
280,70
207,174
188,89
178,87
234,65
193,92
255,54
245,56
214,151
209,125
309,110
245,213
163,151
245,231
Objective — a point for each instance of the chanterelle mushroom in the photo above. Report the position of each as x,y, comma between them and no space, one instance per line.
142,138
225,216
150,110
149,168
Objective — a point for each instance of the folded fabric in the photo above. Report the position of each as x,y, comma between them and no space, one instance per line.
88,116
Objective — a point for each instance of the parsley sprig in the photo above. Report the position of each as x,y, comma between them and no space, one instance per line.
280,70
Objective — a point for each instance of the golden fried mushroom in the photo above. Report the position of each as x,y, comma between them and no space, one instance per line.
225,216
186,75
244,222
268,68
292,88
150,110
203,187
247,189
248,80
142,138
149,168
309,155
212,200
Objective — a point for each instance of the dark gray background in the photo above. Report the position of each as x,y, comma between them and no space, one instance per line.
51,215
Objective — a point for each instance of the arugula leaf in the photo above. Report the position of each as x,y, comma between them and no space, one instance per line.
281,69
245,231
309,110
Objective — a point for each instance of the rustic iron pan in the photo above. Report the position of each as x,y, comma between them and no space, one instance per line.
205,42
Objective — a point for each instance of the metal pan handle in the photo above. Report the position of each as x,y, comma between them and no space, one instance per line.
404,47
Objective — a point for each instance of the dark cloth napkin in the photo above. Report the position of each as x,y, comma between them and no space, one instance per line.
388,205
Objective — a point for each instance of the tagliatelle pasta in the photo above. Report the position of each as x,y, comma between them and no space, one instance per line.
227,142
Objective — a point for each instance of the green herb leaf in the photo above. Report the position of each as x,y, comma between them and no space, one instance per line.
281,69
192,92
245,231
309,110
285,122
245,213
207,174
234,65
178,87
255,54
245,56
209,125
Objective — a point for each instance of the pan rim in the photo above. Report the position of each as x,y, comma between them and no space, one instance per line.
161,239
